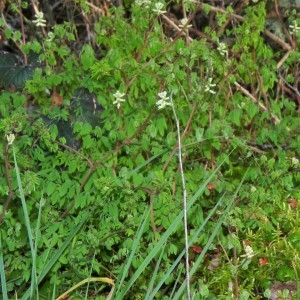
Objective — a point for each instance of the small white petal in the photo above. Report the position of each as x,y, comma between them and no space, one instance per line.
119,95
183,23
158,8
10,138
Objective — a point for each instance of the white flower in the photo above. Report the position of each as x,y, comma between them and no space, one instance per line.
222,48
295,161
209,85
10,138
249,253
163,101
294,28
158,8
119,98
183,23
39,19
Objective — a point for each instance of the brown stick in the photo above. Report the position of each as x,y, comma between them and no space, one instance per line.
268,33
263,107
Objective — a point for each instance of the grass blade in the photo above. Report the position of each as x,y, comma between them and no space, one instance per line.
181,255
58,253
35,285
150,286
88,280
127,266
168,232
90,276
214,233
27,224
2,272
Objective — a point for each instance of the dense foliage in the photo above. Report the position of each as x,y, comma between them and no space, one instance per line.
91,186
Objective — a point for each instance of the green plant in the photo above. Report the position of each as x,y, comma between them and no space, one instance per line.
95,155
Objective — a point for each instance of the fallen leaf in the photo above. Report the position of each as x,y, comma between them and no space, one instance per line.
293,203
57,99
196,249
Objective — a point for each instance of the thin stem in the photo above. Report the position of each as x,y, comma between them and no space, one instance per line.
182,137
8,180
187,265
236,280
94,166
23,33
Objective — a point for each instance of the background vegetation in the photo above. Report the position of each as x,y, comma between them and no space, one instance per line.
91,191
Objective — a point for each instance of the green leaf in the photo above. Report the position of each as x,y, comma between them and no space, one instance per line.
235,116
88,142
12,70
138,179
51,187
86,129
216,144
63,189
87,57
294,239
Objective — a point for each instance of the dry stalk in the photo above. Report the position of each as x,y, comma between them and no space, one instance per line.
187,265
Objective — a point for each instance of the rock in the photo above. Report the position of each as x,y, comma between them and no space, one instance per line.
278,289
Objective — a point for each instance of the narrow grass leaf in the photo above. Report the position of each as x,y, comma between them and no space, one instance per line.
93,279
210,240
169,231
145,163
90,275
176,282
27,223
151,283
2,273
128,264
54,289
58,253
35,285
181,255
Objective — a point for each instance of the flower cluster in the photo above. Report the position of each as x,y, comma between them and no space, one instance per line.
295,161
158,8
119,98
209,85
10,138
39,19
294,28
184,24
163,101
222,48
249,253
